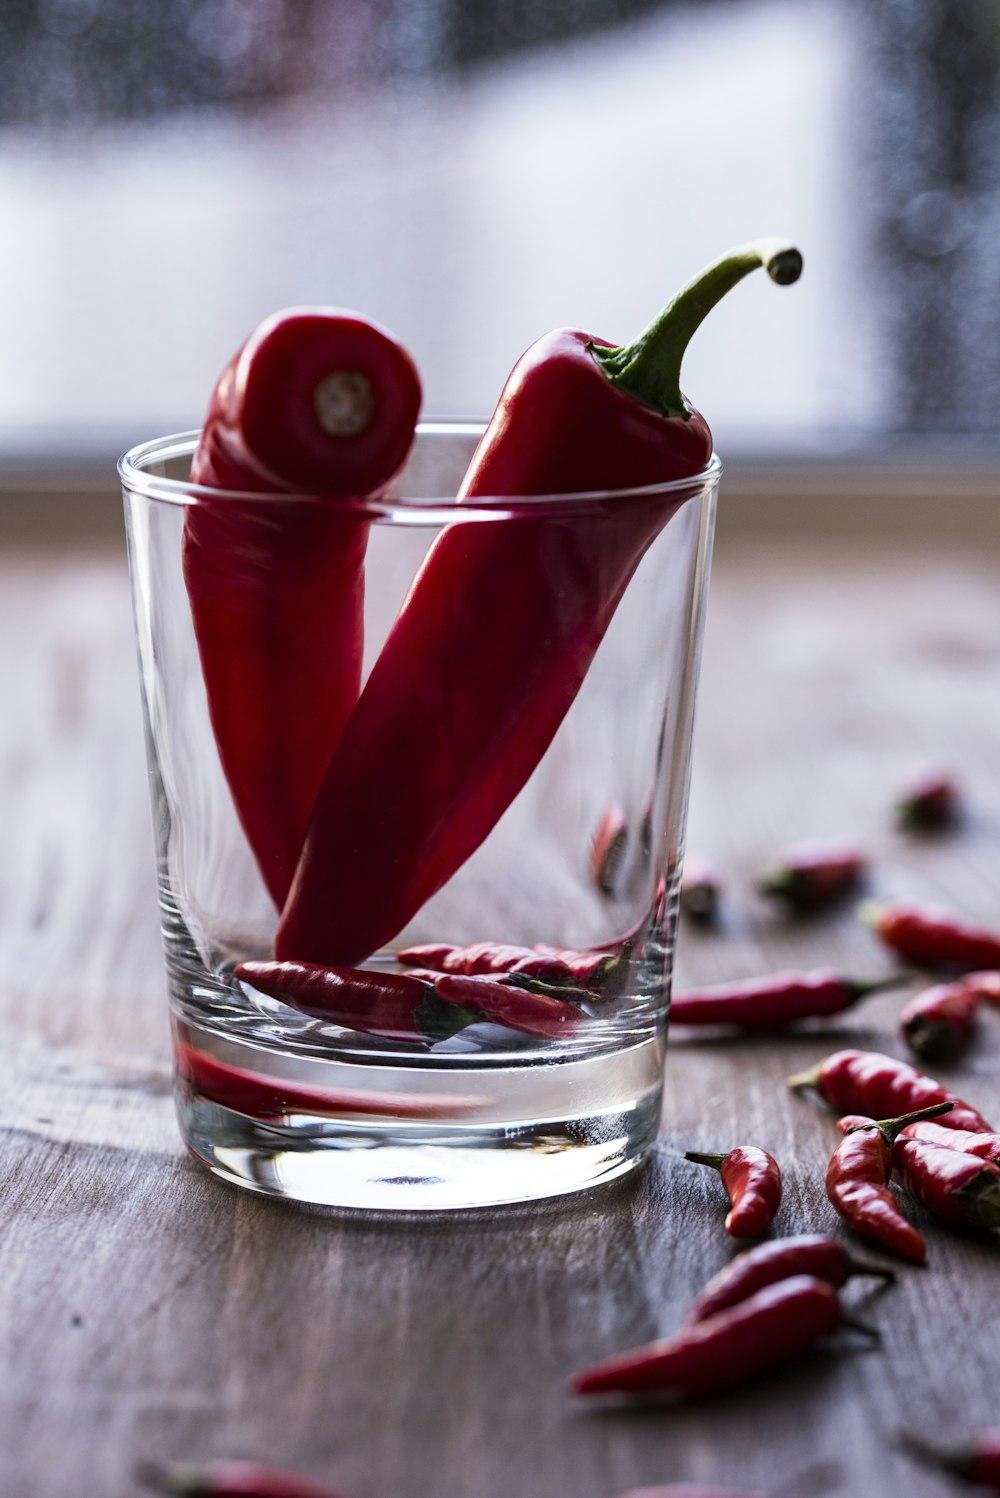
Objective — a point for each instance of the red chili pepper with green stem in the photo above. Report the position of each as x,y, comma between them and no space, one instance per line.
768,1263
869,1083
959,1189
940,1021
317,402
731,1348
814,877
752,1179
857,1183
772,1003
929,803
506,618
392,1005
227,1479
932,940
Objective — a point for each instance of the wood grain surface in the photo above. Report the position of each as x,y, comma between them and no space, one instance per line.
149,1311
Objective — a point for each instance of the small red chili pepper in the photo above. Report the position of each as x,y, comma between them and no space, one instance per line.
267,1098
812,877
395,1006
555,966
932,940
985,1146
507,1004
508,618
227,1479
608,849
769,1263
874,1085
775,1001
701,890
977,1461
857,1183
318,402
726,1350
960,1189
752,1179
940,1021
929,802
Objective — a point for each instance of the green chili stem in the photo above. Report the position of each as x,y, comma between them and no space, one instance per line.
649,367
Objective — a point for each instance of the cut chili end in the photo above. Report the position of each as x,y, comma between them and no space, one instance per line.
344,402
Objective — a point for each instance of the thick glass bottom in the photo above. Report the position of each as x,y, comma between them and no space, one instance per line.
412,1138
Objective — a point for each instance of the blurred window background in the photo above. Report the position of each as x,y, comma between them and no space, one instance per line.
474,172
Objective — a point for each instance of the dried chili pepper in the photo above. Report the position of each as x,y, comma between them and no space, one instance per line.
752,1179
928,803
813,877
875,1085
986,1146
268,1098
939,1021
731,1348
857,1183
701,890
769,1263
960,1189
608,849
227,1479
392,1005
317,402
977,1461
508,618
932,940
776,1001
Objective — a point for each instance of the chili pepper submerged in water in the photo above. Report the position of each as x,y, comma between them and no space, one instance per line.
534,1014
726,1350
939,1021
392,1005
510,616
878,1086
316,402
752,1179
769,1263
608,849
932,940
960,1189
228,1479
977,1461
775,1001
810,878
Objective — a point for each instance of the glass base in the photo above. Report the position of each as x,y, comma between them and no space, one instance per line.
429,1139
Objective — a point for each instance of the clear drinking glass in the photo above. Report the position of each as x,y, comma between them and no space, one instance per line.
585,859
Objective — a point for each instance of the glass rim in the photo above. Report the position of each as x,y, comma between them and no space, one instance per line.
133,471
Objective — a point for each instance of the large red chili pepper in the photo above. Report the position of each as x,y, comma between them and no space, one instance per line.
393,1005
960,1189
776,1001
227,1479
878,1086
752,1179
317,402
977,1461
940,1020
932,940
269,1098
986,1146
857,1183
505,619
811,878
731,1348
769,1263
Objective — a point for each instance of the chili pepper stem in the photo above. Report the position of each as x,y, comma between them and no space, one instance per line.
861,988
715,1161
852,1324
176,1478
803,1079
878,1271
889,1128
649,367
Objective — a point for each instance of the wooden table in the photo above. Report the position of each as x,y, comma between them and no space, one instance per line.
149,1311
